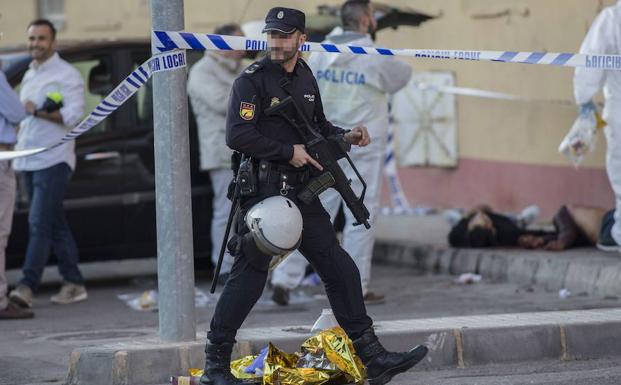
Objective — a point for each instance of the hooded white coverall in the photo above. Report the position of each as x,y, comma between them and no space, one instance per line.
209,85
354,90
604,37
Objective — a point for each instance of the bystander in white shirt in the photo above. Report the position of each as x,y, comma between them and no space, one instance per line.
53,75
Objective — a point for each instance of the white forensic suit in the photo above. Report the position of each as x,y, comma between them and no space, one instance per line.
209,85
604,37
354,90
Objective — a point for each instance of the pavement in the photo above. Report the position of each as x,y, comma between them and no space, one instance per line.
547,372
503,320
420,242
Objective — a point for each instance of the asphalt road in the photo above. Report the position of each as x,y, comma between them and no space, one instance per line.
596,372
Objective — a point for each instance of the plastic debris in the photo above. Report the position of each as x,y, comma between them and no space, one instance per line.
325,321
147,300
564,294
257,365
468,278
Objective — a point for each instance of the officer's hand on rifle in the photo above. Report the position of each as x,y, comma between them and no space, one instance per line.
359,136
301,158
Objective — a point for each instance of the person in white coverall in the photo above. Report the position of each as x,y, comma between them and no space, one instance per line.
209,85
355,90
604,38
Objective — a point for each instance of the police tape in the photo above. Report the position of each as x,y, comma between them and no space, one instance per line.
399,200
475,92
115,99
163,41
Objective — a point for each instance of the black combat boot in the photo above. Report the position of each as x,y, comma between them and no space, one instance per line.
218,365
382,365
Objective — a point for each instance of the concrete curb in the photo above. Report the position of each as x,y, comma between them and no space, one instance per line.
453,342
579,270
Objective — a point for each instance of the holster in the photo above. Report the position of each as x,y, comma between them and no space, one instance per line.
244,245
247,179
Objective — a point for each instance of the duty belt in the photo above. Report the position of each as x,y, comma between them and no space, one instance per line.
273,173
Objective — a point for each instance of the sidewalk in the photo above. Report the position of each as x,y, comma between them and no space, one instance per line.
455,342
420,242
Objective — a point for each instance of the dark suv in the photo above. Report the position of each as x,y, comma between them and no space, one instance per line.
110,203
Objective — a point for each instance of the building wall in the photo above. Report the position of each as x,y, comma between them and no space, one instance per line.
508,150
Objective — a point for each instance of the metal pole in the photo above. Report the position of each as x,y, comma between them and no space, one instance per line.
175,256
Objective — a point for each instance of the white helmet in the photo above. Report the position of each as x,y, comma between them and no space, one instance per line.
276,225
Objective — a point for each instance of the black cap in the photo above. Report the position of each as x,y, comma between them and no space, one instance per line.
285,20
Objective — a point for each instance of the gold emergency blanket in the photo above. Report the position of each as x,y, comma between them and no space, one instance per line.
326,358
238,366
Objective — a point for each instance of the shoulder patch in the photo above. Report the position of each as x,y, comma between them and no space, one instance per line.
246,110
252,68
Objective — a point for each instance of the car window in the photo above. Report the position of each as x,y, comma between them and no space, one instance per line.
97,76
144,97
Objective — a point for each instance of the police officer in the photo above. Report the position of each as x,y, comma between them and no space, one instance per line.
283,168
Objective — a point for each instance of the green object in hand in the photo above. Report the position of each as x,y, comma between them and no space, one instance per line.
53,102
55,96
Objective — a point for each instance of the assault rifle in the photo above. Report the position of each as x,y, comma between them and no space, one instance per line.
327,152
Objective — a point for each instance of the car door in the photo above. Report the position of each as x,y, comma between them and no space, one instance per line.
94,199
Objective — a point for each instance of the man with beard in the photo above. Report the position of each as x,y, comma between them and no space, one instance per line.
284,165
355,89
53,94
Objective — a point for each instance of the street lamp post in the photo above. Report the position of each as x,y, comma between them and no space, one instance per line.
175,256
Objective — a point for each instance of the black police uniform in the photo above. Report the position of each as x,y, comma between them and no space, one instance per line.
269,141
250,131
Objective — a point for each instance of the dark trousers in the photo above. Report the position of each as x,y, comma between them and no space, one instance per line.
322,250
47,227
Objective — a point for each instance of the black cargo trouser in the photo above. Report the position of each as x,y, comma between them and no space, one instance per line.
322,250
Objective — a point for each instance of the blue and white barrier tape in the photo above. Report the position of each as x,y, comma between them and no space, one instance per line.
115,99
167,40
464,91
397,195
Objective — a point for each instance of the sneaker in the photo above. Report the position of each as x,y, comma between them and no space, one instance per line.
610,246
606,242
452,216
70,293
372,298
13,311
21,296
528,215
280,296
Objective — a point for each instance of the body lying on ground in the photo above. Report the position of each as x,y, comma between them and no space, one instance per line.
574,226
